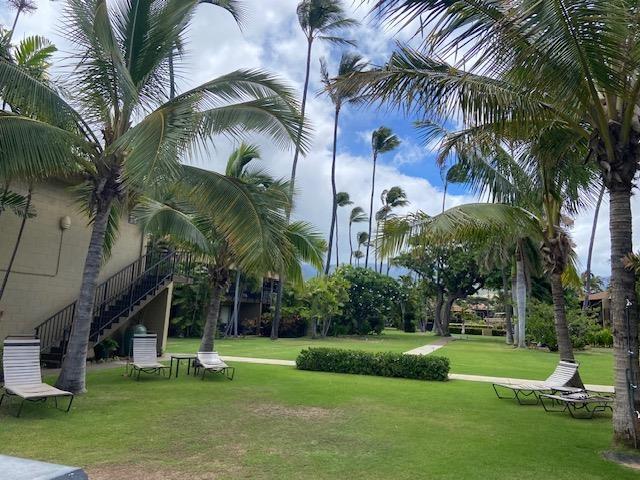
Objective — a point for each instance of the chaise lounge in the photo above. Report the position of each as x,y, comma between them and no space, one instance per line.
23,376
564,379
211,362
580,404
145,356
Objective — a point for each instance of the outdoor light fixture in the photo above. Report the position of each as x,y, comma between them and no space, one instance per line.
65,223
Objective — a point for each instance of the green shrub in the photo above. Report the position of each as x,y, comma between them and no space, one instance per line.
384,364
541,328
601,338
291,326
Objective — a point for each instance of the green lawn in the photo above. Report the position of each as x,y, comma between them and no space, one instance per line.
289,348
491,356
280,423
472,354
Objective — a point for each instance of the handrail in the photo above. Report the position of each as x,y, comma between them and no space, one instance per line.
55,329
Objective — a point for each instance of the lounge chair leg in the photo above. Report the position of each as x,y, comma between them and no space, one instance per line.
2,398
70,402
20,408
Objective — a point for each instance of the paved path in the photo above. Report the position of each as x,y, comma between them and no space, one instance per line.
430,347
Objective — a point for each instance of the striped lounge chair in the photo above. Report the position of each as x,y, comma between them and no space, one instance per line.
211,362
145,356
564,379
23,376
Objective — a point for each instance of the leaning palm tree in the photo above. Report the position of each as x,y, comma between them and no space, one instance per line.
20,6
523,66
357,215
358,255
382,141
320,20
363,239
349,63
393,198
120,133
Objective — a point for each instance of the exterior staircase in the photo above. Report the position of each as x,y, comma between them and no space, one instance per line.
117,299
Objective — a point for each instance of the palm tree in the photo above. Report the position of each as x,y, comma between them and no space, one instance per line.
32,55
382,141
319,20
127,136
534,66
393,198
342,200
363,239
20,6
358,255
357,215
184,215
349,63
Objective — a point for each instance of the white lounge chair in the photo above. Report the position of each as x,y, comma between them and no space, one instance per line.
564,379
22,373
145,356
211,362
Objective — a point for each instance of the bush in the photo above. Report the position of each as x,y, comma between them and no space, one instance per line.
383,364
601,338
541,328
291,326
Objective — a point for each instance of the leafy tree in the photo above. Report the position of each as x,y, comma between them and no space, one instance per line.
373,298
382,141
124,136
349,63
323,299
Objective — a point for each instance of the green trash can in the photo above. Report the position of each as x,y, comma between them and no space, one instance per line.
127,344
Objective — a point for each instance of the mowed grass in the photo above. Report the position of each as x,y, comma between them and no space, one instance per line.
490,356
471,354
390,340
276,422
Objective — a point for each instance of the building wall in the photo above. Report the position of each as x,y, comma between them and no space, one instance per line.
48,268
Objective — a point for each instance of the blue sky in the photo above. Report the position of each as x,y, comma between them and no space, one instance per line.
272,40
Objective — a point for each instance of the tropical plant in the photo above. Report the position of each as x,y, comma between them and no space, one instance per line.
523,67
393,198
319,20
349,63
382,141
118,79
357,215
20,6
185,215
322,300
358,255
342,200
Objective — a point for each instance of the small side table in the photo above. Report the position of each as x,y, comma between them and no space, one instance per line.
178,357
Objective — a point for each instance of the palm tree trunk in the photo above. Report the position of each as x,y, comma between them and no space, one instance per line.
17,244
350,245
565,349
236,304
376,251
334,192
74,366
587,280
437,315
337,239
275,324
506,293
521,298
213,313
373,189
13,27
624,316
514,302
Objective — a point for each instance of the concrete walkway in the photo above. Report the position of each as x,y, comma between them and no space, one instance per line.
430,347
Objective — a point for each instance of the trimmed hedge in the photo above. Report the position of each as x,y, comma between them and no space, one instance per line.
383,364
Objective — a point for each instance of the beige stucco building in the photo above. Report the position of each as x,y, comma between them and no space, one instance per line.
47,272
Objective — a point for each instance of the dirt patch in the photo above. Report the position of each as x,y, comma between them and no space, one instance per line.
283,411
628,460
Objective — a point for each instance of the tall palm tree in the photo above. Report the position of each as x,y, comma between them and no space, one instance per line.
357,215
393,198
358,255
530,66
319,20
349,63
342,200
363,239
20,6
127,136
382,141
